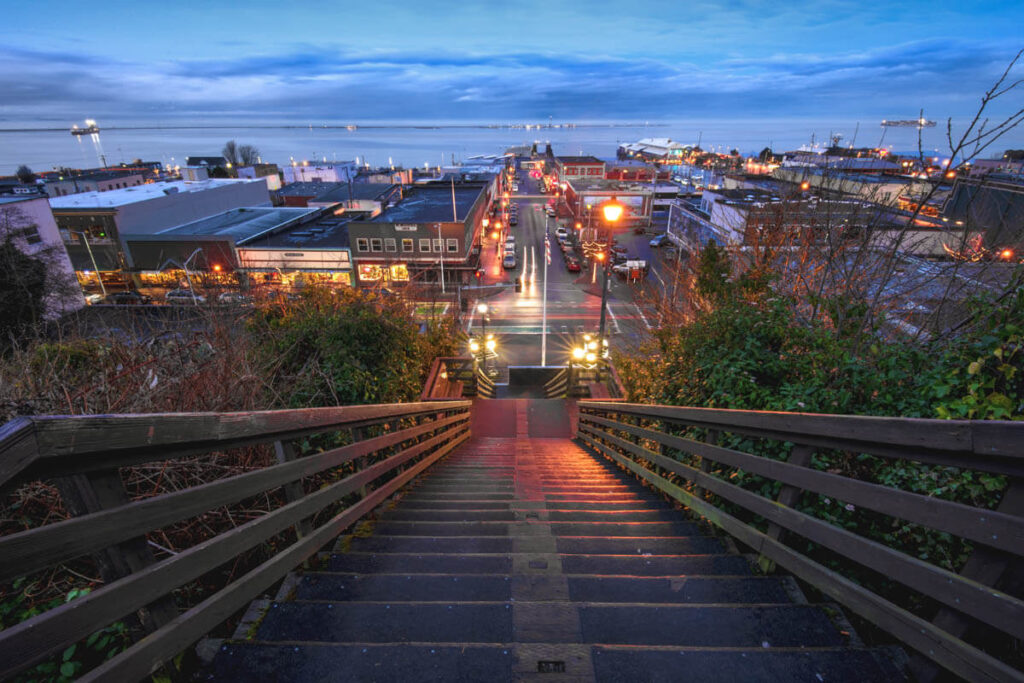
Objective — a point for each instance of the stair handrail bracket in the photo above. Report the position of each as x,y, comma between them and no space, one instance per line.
679,451
382,448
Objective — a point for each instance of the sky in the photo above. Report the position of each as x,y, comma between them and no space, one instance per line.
139,62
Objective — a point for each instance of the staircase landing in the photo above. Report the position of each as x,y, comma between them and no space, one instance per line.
525,558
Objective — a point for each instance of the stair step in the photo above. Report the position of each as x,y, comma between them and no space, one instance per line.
407,504
685,589
387,622
655,565
443,528
432,544
832,665
393,563
432,515
491,497
624,529
654,545
709,626
617,516
403,587
305,662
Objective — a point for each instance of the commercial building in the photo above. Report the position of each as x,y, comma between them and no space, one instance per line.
567,169
334,172
661,150
992,205
28,223
248,246
430,229
91,224
371,197
584,196
270,172
95,181
883,189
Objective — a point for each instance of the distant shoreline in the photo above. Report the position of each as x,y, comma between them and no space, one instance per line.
357,126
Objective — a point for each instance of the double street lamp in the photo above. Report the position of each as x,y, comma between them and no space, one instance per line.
612,211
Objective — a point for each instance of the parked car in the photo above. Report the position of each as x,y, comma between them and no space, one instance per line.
561,231
184,296
509,262
631,268
619,257
233,298
572,264
618,249
127,299
510,241
550,211
513,219
661,240
93,299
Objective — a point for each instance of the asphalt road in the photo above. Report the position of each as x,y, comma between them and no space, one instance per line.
573,299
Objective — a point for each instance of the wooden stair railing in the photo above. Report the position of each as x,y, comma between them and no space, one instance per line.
84,454
675,450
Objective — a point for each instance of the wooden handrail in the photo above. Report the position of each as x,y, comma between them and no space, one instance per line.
419,434
625,433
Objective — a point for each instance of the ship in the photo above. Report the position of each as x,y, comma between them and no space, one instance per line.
912,123
90,128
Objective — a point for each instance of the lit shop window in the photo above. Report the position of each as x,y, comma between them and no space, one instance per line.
399,273
370,273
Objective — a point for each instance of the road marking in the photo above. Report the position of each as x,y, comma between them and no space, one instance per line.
642,317
615,322
659,277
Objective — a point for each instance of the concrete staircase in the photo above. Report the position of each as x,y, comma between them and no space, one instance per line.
526,558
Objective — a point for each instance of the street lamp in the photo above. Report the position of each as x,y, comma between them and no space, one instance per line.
481,308
99,278
612,211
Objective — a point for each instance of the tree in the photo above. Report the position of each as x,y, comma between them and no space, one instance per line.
765,155
230,152
25,175
248,155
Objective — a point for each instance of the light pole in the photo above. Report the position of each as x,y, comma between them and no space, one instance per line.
99,278
612,210
481,308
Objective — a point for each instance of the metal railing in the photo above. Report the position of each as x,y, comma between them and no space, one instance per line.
390,444
676,450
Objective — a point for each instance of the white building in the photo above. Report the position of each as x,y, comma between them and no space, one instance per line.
334,172
102,218
28,222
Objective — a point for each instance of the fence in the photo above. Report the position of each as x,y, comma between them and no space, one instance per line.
390,444
676,450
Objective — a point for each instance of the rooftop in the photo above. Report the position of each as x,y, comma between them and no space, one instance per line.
431,203
141,193
327,231
598,184
241,224
578,160
360,191
306,189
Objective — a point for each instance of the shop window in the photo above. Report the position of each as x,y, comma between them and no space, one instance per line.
425,246
362,244
375,244
389,244
453,246
407,244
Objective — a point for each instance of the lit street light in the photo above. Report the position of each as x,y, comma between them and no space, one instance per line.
613,211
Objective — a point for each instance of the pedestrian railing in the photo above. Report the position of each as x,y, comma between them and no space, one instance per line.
318,495
950,618
449,377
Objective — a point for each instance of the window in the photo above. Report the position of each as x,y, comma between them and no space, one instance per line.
438,246
389,244
375,244
407,244
453,246
425,246
362,244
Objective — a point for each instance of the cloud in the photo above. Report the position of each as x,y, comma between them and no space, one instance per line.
319,81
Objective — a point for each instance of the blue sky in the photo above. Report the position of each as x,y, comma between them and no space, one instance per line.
498,62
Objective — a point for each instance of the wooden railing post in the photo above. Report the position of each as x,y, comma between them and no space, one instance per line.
705,464
87,493
788,496
285,451
985,565
358,434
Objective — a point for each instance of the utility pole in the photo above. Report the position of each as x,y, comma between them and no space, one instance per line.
544,307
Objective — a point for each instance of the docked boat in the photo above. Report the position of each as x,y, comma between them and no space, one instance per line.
90,128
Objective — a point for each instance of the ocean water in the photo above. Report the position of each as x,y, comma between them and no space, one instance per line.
416,144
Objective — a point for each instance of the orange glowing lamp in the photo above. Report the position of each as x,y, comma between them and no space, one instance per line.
612,210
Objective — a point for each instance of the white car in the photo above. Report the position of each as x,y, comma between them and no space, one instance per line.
561,231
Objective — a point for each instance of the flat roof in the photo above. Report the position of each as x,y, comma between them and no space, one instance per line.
327,232
579,160
603,184
310,188
368,191
241,224
427,204
21,198
142,193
